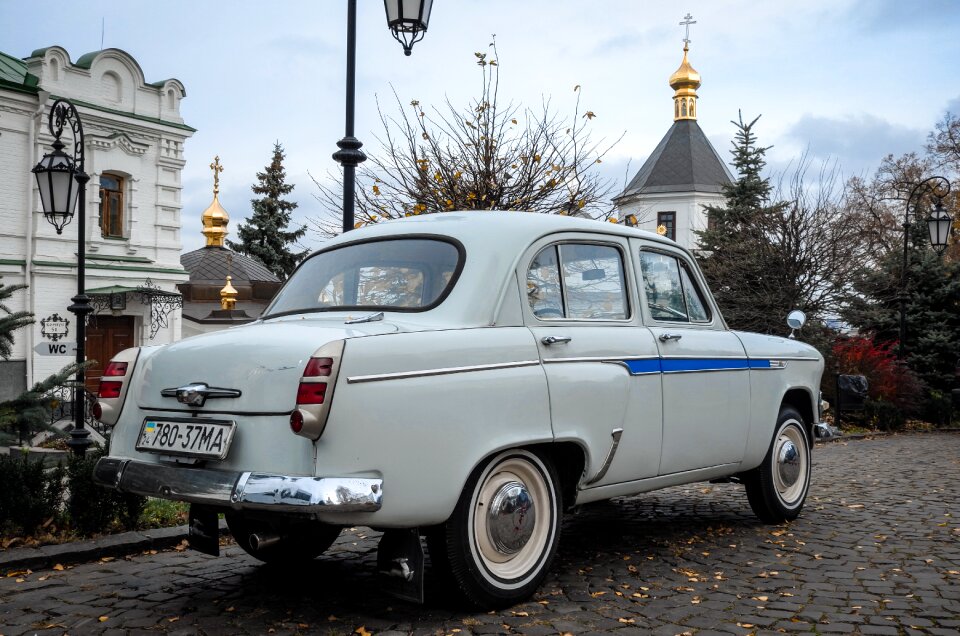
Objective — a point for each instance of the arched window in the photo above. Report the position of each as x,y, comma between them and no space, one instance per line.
111,206
692,114
683,109
676,108
112,87
171,99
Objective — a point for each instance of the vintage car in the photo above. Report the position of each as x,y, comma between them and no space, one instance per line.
467,378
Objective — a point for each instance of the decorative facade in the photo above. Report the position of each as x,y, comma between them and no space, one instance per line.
683,174
134,140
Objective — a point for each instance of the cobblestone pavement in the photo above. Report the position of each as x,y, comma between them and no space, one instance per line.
876,551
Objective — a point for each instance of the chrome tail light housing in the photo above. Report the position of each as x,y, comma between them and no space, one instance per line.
315,391
114,384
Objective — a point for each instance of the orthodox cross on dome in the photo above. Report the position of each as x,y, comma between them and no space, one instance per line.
217,169
687,21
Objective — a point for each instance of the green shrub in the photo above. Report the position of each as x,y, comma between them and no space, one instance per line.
96,509
29,495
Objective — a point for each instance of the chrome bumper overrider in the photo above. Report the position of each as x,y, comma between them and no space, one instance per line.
240,490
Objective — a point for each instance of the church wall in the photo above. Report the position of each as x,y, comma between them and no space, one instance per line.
689,207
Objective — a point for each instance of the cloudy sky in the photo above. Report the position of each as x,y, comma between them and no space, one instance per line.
845,81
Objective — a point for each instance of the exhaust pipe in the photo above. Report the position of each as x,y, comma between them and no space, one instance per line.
263,541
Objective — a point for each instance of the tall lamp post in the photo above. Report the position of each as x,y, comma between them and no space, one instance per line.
939,224
407,20
62,182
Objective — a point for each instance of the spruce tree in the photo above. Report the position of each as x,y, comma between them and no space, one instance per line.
30,411
738,256
265,236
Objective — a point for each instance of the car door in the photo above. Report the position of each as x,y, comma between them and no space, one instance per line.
596,354
705,372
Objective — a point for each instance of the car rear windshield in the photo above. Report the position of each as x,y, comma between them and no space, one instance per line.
410,274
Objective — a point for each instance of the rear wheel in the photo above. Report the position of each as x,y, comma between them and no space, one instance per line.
778,488
499,542
283,542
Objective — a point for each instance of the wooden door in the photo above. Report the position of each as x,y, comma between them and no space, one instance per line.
106,337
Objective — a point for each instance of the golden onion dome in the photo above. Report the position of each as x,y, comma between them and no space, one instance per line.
215,218
685,77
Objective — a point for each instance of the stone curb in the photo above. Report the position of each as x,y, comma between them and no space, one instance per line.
114,545
126,543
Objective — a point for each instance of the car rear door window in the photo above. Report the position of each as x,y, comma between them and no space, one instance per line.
578,281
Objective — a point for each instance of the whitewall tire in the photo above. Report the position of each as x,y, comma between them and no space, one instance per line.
778,488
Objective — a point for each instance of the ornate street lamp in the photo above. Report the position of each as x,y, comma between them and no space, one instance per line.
408,21
938,225
62,182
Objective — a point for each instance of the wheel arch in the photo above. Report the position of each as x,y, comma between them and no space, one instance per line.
801,400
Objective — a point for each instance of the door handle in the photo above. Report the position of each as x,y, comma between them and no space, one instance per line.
666,337
549,340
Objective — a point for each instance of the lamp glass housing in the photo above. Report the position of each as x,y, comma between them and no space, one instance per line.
408,19
56,178
938,225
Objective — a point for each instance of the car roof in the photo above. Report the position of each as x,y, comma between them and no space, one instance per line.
509,230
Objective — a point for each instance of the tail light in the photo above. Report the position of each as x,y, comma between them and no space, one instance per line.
113,386
315,392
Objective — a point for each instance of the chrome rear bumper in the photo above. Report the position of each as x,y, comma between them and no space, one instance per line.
240,490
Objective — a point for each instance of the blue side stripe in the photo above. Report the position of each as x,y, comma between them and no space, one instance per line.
643,366
679,365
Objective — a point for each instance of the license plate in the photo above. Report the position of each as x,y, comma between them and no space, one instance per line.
206,439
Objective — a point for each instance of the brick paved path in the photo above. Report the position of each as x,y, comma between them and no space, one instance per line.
876,551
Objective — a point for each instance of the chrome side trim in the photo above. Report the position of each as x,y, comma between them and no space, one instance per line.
617,432
263,491
626,366
403,375
677,372
775,365
608,359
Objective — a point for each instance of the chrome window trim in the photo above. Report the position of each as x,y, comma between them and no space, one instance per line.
403,375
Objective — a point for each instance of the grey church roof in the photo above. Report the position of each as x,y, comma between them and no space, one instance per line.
212,264
683,161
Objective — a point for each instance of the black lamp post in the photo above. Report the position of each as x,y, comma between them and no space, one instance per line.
408,20
938,225
62,182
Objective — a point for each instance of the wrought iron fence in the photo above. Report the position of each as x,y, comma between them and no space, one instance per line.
62,403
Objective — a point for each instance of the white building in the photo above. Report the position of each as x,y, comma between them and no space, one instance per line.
682,175
134,139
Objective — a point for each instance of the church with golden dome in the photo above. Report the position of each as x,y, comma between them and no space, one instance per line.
684,172
226,288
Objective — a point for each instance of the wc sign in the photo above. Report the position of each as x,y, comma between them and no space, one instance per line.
48,348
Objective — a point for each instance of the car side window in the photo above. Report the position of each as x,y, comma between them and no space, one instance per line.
578,281
671,292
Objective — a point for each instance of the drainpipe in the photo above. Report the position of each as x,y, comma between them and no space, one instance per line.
35,123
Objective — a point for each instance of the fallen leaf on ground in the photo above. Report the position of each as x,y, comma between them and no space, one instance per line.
103,619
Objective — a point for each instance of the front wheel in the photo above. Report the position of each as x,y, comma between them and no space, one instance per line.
501,538
777,488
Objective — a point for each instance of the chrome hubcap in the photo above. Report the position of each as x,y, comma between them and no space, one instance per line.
788,463
511,517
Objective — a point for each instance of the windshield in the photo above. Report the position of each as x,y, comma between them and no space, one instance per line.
410,274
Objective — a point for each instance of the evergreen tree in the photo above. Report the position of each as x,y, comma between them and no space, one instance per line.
30,411
737,251
932,344
264,236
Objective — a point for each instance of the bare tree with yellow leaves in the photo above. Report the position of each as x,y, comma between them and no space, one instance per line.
486,156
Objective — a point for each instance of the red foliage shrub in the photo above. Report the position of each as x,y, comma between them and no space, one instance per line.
889,381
